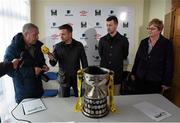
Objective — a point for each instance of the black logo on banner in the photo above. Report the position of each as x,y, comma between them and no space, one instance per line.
83,36
68,13
83,24
97,12
96,58
53,12
54,25
125,25
111,12
98,25
125,34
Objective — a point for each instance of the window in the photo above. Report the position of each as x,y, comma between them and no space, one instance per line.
13,15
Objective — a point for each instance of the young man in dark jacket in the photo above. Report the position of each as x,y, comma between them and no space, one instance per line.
68,53
27,78
113,49
6,67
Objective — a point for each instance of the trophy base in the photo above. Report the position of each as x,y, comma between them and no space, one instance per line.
95,115
95,108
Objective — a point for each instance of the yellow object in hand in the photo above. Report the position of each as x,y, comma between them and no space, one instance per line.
44,49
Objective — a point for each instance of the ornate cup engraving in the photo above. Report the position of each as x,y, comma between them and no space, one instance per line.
95,98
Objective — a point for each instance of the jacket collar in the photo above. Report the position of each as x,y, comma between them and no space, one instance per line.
72,43
110,37
18,41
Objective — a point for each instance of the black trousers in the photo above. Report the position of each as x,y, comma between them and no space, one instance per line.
65,91
147,87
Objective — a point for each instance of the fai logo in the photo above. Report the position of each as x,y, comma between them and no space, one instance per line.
68,13
83,36
98,25
54,25
111,12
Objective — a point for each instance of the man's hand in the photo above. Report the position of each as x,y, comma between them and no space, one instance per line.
164,88
45,68
15,63
38,70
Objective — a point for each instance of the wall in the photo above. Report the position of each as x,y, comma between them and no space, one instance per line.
145,10
157,9
161,9
167,19
38,12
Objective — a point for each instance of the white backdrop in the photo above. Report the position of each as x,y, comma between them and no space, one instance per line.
89,24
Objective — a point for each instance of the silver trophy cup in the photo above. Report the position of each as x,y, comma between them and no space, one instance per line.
95,97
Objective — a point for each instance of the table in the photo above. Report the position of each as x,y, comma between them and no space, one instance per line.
61,110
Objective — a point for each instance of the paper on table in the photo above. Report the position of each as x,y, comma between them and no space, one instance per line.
152,111
33,106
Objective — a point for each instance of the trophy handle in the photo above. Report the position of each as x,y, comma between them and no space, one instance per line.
78,105
79,81
111,92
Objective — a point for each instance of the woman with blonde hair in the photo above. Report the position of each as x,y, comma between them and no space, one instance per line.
153,65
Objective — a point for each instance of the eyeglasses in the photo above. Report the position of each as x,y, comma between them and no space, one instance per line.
152,28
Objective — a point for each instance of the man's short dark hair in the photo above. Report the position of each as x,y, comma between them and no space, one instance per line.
28,26
114,18
66,26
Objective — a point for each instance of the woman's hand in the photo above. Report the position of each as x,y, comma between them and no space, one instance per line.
133,78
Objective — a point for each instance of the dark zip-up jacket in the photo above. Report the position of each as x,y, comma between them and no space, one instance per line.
157,66
26,83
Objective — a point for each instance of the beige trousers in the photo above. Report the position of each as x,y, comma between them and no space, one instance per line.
117,89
